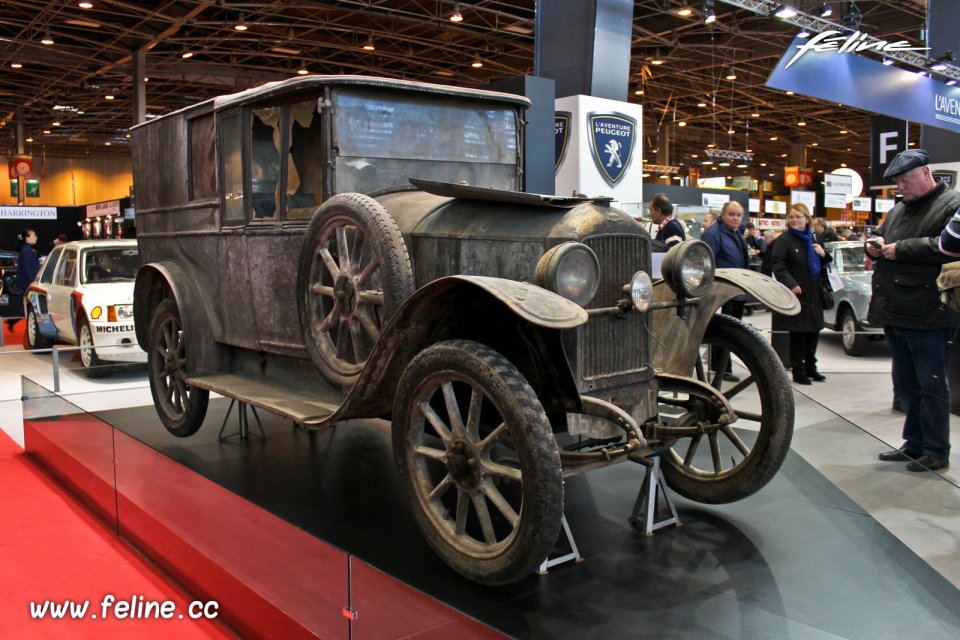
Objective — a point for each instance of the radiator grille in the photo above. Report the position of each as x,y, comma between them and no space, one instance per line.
611,345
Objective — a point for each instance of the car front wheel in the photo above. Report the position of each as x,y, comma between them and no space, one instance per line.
93,366
478,461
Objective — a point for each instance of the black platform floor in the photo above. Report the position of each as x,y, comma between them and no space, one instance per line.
797,560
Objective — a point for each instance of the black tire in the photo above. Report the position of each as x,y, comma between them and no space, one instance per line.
181,408
354,274
93,367
502,469
35,339
763,395
854,342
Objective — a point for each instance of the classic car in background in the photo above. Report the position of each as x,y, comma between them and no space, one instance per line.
339,247
83,295
8,273
849,313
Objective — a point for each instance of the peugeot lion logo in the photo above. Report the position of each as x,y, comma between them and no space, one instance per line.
612,136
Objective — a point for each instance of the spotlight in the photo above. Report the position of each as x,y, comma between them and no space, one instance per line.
887,62
784,12
456,16
731,74
368,46
852,17
951,82
803,34
47,39
825,11
941,63
709,13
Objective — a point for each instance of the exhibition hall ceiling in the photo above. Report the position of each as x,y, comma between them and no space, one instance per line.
75,65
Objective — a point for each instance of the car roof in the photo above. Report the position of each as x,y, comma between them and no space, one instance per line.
314,82
100,244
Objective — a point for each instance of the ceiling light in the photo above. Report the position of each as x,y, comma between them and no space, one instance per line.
681,124
368,45
843,164
80,113
731,74
825,11
783,155
724,164
109,96
774,138
709,17
814,144
844,132
749,150
887,62
47,39
801,124
763,164
803,34
730,131
657,60
708,162
785,12
789,93
638,92
456,16
711,145
741,166
302,71
911,144
85,5
755,114
771,174
29,139
476,64
106,144
186,54
951,82
286,50
46,131
55,123
16,65
694,155
241,25
684,12
701,104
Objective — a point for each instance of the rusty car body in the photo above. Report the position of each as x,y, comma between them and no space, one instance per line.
336,247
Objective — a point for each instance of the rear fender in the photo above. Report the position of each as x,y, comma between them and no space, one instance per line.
160,280
521,321
676,339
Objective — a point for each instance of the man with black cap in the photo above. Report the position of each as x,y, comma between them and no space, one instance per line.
907,303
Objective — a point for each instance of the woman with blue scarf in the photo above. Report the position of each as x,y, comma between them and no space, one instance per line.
797,261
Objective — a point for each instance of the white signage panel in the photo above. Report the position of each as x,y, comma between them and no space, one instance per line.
834,183
604,154
111,208
714,200
754,205
774,206
28,213
861,204
807,198
882,205
835,200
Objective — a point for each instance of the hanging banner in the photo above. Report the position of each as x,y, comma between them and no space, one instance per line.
806,177
791,176
862,83
888,137
21,166
109,208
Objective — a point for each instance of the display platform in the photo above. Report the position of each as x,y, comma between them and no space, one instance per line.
799,559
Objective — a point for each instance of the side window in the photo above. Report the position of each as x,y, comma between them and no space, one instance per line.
67,271
264,161
51,265
305,160
231,139
203,174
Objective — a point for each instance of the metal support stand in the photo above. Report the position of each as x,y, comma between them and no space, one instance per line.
564,541
645,508
243,431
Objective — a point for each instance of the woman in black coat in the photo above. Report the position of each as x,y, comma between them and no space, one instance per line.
797,262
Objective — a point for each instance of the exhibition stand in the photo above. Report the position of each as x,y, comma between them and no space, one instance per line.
309,535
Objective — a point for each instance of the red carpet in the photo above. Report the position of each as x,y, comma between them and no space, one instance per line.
15,337
52,549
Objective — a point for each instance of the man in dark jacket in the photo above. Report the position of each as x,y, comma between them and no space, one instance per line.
907,303
669,230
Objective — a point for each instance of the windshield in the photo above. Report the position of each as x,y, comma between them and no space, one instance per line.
852,260
110,265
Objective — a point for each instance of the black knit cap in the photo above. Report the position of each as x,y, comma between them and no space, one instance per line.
905,161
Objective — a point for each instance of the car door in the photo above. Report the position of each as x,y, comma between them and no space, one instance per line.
60,292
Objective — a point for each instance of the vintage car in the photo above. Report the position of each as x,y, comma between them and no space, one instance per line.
338,247
83,295
849,313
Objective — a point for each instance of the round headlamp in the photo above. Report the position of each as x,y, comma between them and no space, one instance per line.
641,290
688,268
570,270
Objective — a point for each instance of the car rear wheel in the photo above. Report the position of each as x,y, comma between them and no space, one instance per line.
723,464
181,407
478,461
93,367
854,342
354,273
35,339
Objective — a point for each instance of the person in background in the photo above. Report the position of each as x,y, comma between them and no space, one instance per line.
708,221
823,232
906,302
729,251
669,230
756,245
797,260
28,263
60,239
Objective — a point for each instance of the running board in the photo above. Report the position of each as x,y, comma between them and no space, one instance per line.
300,407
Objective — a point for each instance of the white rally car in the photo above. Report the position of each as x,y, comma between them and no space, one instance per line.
83,295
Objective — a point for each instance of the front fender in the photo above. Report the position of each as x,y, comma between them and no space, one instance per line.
521,321
676,339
